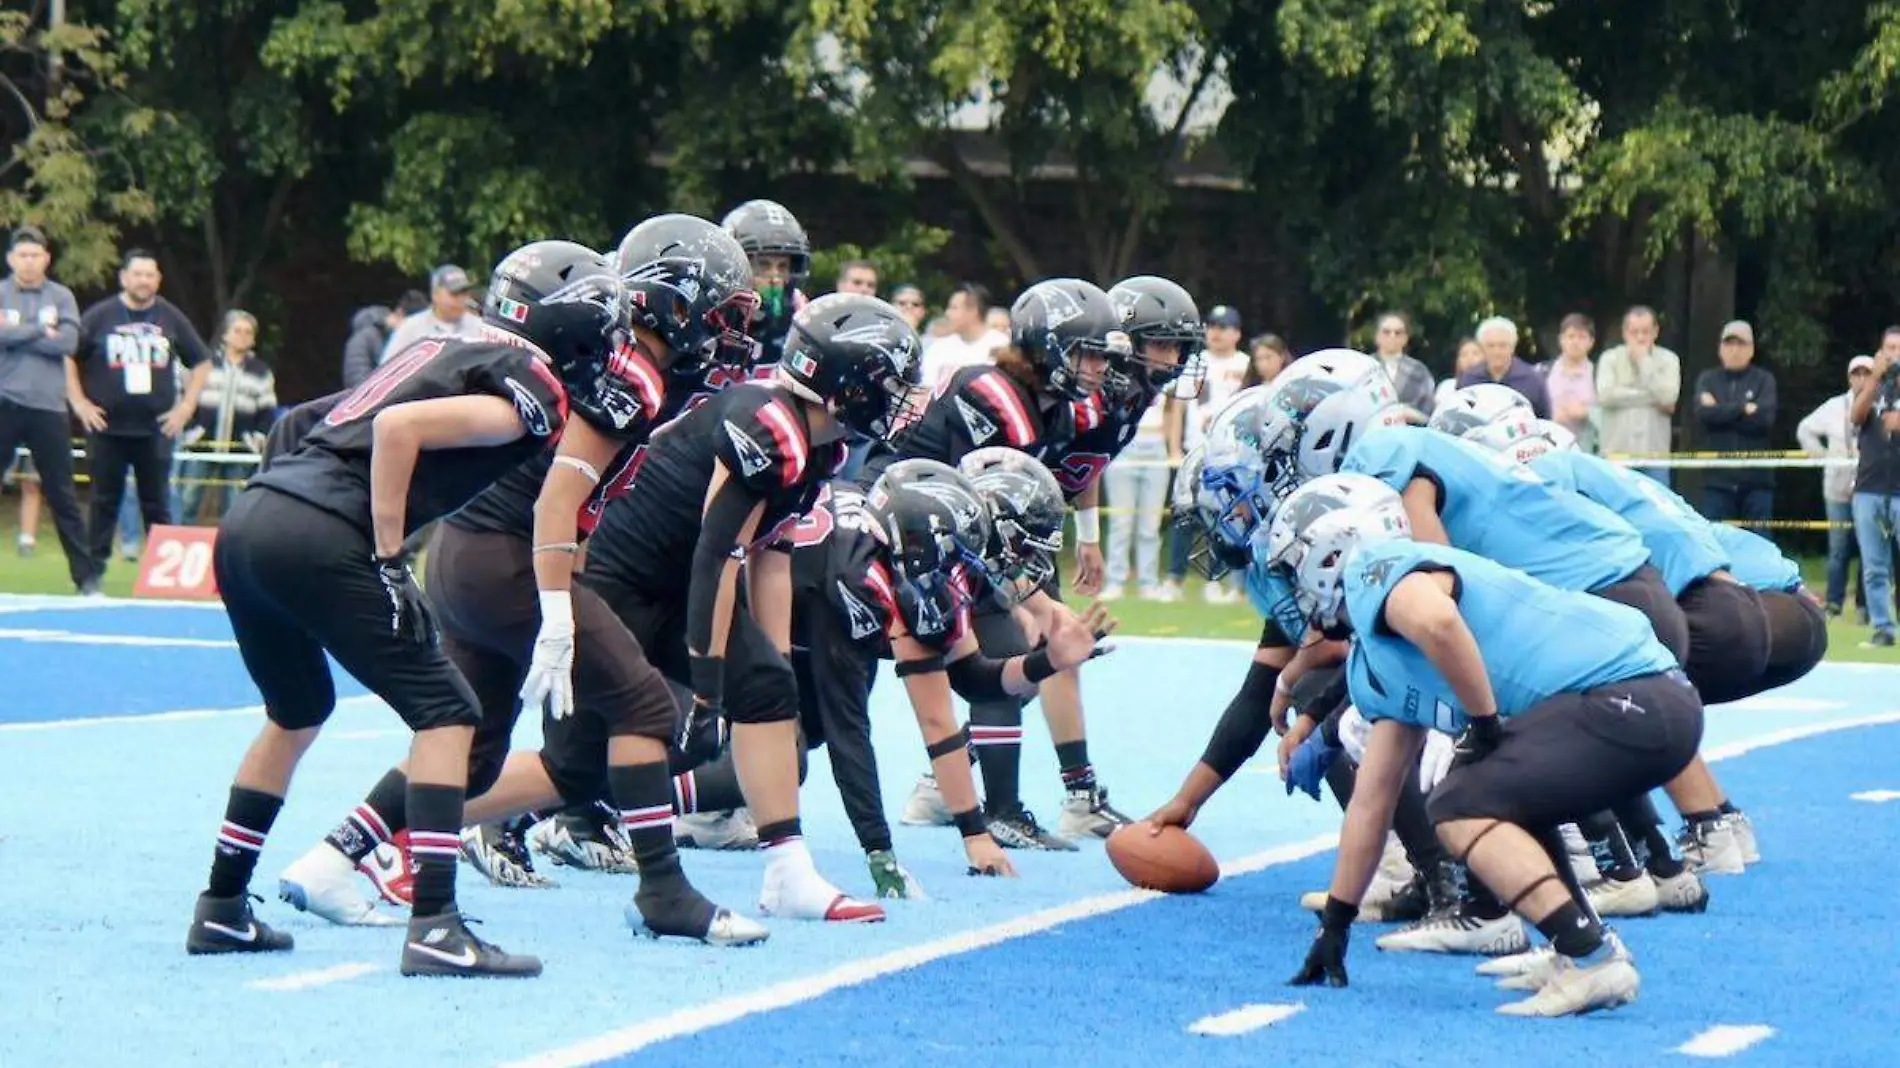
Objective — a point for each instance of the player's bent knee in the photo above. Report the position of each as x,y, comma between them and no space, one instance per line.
578,782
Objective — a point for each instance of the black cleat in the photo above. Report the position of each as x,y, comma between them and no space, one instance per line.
226,925
1018,829
443,945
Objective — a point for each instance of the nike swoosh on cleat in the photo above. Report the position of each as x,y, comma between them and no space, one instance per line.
464,959
248,934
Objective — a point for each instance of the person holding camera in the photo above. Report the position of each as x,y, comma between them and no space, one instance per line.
1875,416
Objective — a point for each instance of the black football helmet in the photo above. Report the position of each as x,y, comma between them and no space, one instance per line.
766,228
1026,516
858,355
567,301
1056,321
689,282
936,529
1155,310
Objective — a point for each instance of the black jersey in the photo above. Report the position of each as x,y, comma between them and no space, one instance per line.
976,407
841,569
330,466
507,507
289,432
1104,426
647,537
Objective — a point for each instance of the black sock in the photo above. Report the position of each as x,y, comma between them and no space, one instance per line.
1413,826
996,730
641,793
1073,759
777,834
248,815
435,824
1340,778
1571,932
1480,902
1643,824
711,787
1726,808
1611,847
384,812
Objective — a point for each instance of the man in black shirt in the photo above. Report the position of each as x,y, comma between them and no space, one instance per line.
123,384
1736,404
1877,483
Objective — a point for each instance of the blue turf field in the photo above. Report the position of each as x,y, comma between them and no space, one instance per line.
120,725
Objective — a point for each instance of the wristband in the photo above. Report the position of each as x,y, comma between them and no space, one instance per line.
586,469
1338,915
573,547
1036,666
971,823
1088,526
709,678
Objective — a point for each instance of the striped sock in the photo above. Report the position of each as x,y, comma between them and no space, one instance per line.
782,833
376,820
685,794
248,816
640,793
435,822
996,733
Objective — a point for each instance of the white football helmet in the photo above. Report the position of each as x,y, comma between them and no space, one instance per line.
1317,531
1483,405
1237,485
1509,438
1321,404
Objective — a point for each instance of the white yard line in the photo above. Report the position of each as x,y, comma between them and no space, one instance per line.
1244,1020
1725,1040
182,716
70,637
320,977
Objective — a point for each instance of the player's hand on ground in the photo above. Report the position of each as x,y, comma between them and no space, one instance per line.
892,879
550,682
1089,569
409,615
986,857
1177,811
1325,961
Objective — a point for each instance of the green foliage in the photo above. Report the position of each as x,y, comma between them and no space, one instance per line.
900,258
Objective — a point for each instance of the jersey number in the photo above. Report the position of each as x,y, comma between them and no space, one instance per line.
1079,470
827,514
379,385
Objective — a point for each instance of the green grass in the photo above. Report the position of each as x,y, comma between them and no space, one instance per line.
1191,617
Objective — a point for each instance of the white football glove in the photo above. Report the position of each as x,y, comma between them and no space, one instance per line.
1435,761
550,682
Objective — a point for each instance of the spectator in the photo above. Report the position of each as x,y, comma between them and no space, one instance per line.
1137,487
858,276
39,329
1572,381
1736,404
123,383
997,319
448,314
909,301
1270,357
1411,378
1638,384
1497,336
234,414
370,328
1877,484
1827,431
1222,368
1470,355
969,342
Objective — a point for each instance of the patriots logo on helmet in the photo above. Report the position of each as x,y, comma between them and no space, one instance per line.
1059,306
1299,397
965,509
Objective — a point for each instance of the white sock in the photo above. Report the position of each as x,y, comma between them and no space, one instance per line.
791,853
27,539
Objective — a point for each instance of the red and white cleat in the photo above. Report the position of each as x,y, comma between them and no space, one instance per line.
797,892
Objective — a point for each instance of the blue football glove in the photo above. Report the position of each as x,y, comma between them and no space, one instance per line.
1307,769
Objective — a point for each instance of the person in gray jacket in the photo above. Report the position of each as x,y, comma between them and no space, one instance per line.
1412,379
39,328
370,328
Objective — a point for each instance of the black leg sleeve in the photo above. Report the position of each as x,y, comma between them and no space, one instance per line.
834,680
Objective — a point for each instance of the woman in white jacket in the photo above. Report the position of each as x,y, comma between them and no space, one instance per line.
1827,431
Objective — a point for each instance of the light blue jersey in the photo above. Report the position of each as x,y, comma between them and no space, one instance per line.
1680,542
1504,511
1756,562
1536,641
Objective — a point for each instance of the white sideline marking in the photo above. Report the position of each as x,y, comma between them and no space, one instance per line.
1795,734
320,977
793,991
1876,796
1243,1020
69,637
1725,1040
1774,702
75,603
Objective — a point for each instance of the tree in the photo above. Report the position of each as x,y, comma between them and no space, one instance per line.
51,176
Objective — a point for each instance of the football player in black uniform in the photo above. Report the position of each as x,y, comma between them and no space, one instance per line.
1062,333
609,713
781,262
309,560
720,489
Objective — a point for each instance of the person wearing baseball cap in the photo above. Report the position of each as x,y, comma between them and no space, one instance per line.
39,329
448,314
1828,431
1735,406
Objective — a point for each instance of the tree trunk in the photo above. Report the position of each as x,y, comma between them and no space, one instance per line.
972,186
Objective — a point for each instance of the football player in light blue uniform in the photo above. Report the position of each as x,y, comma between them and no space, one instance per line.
1563,704
1797,629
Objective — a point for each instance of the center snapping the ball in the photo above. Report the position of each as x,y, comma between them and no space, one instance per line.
1173,862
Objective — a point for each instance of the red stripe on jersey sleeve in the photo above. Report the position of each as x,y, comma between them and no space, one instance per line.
791,442
1002,397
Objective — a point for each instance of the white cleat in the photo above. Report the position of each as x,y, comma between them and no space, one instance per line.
1682,892
731,829
1455,932
1087,814
323,883
795,891
1541,965
1711,848
1745,836
925,807
1616,897
1575,987
1517,963
502,857
580,842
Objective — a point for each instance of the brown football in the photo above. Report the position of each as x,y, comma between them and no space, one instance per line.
1173,861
